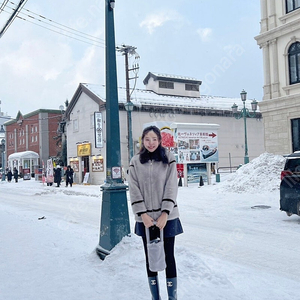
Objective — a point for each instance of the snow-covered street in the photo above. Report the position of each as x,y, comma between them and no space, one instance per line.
237,244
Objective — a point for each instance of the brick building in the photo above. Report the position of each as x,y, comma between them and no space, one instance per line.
36,131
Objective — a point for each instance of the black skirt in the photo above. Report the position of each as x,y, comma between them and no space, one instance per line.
172,228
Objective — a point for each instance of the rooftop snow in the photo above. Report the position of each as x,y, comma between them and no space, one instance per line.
141,97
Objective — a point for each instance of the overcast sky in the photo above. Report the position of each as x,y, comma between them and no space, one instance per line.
210,40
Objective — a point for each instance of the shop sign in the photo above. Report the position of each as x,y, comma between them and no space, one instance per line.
84,150
98,130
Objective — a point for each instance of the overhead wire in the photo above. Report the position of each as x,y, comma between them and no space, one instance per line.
89,39
3,5
12,17
70,28
90,43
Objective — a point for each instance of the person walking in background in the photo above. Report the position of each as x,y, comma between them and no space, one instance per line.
153,193
57,175
16,174
9,175
69,176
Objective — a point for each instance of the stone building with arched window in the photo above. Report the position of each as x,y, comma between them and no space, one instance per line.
279,40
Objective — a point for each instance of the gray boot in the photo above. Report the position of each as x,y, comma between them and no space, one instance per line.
172,288
154,287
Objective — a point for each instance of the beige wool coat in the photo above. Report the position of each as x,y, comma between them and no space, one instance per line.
153,187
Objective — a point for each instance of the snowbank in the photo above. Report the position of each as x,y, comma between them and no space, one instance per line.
260,174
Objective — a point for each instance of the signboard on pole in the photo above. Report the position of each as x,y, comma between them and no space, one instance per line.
98,130
49,171
26,174
196,143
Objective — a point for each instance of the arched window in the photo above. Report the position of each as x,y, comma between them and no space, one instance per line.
294,63
292,5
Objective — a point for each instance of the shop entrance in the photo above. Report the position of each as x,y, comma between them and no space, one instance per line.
86,165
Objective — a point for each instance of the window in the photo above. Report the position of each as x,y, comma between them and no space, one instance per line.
192,87
92,121
294,62
166,85
75,125
292,5
295,123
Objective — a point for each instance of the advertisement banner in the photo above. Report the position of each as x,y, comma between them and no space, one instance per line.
196,145
98,130
26,174
49,171
190,142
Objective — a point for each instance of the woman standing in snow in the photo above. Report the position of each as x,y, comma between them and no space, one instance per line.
69,176
57,175
153,191
9,175
16,174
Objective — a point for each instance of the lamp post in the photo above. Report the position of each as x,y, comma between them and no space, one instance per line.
114,224
3,159
129,108
244,113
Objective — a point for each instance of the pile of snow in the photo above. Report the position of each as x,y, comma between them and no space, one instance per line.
261,174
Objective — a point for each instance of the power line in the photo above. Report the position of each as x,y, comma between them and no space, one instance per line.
92,41
3,5
51,23
12,17
62,33
43,17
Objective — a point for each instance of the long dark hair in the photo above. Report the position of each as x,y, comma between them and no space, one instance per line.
159,154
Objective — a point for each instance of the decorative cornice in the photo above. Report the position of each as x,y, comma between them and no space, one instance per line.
277,32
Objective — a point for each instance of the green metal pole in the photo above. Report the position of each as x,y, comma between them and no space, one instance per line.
130,136
246,158
114,223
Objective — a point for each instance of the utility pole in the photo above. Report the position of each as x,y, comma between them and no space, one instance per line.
126,51
114,211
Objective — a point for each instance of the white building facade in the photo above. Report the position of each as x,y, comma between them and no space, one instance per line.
86,135
279,40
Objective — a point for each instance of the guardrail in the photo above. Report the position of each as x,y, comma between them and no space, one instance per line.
221,170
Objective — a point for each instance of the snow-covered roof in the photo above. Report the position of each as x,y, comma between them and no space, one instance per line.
173,76
142,97
168,77
24,154
194,125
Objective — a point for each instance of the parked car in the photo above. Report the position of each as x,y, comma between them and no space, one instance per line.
292,165
290,185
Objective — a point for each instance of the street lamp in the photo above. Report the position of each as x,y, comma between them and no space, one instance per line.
129,108
114,210
3,159
244,113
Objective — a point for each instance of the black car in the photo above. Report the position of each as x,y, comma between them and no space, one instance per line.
290,185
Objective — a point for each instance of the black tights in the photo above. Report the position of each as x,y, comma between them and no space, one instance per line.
170,259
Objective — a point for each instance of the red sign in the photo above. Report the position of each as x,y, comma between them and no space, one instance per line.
180,172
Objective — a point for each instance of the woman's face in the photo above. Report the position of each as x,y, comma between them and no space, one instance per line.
151,141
